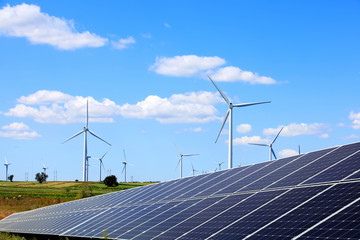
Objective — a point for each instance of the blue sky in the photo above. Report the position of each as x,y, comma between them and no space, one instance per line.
143,65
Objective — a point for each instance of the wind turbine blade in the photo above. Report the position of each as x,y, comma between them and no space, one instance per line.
258,144
102,164
221,93
272,151
277,135
124,155
223,123
98,137
87,113
74,136
178,163
6,162
104,154
249,104
177,148
123,169
195,154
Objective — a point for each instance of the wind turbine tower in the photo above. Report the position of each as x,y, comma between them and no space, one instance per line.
180,159
85,131
101,162
124,168
6,164
229,115
271,151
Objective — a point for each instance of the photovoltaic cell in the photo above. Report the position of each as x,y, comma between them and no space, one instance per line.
310,196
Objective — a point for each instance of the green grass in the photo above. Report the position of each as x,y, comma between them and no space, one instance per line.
23,196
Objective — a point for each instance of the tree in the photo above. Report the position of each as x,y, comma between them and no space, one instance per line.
111,181
41,177
11,177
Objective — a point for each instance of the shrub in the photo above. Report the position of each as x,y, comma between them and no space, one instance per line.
111,181
41,177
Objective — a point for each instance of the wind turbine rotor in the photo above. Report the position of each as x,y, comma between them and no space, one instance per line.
221,92
249,104
276,136
98,137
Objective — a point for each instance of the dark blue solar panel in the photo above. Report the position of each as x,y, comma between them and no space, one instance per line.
237,184
267,213
312,212
233,213
343,225
317,166
211,185
339,171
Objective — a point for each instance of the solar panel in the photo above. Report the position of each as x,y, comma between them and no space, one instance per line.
309,196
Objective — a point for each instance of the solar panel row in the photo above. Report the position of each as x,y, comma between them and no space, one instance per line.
302,196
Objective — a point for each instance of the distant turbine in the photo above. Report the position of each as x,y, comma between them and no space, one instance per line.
6,164
125,164
180,159
271,151
219,164
85,130
44,168
229,115
299,149
193,170
101,163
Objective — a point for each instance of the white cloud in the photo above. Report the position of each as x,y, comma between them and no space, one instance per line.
167,25
18,130
295,129
235,74
287,153
198,129
45,97
185,66
356,119
123,43
59,108
324,135
40,28
16,126
246,140
244,128
350,137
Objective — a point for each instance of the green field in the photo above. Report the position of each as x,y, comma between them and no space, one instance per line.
23,196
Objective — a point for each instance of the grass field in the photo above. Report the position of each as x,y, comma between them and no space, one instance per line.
23,196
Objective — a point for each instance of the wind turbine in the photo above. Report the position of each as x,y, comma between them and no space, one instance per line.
124,168
193,170
271,151
6,164
85,131
229,115
180,159
219,165
101,162
44,167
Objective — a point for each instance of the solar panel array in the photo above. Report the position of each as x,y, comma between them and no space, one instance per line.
308,196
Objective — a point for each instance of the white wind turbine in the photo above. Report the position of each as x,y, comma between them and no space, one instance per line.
101,162
6,164
44,168
193,170
85,131
229,115
271,151
125,164
180,159
219,164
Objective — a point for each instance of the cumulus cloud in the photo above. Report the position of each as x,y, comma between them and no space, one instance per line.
18,130
59,108
185,66
40,28
167,25
296,129
246,140
356,119
198,129
123,43
244,128
235,74
287,153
